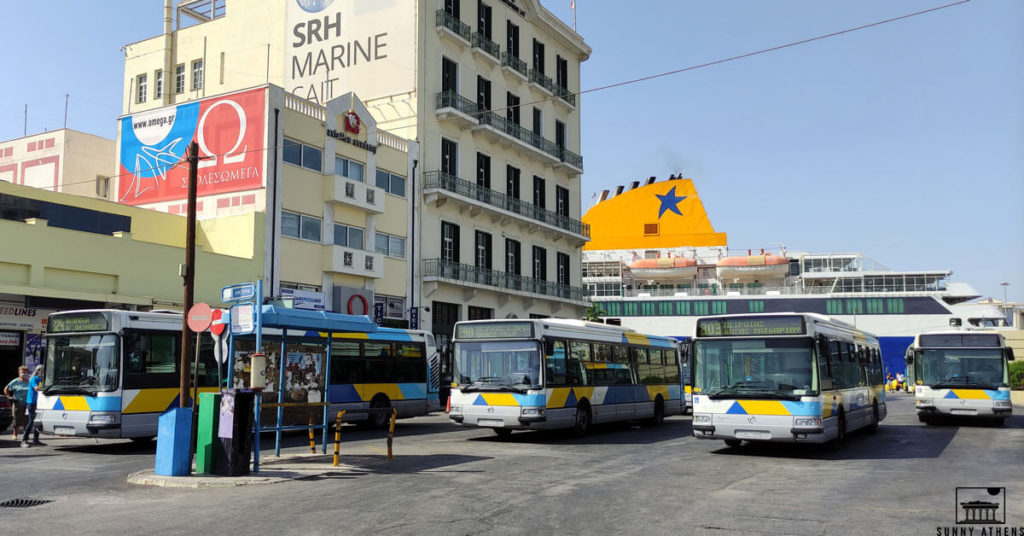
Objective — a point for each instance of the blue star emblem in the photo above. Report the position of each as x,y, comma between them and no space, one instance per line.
669,201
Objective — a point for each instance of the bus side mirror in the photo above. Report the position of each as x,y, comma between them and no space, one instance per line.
1009,354
909,358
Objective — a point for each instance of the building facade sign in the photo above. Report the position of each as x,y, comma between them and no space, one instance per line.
305,299
17,317
230,131
337,46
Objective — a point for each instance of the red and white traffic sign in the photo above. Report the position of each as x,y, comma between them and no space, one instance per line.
199,317
218,325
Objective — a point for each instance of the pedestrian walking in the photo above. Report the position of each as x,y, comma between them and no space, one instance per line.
34,386
17,391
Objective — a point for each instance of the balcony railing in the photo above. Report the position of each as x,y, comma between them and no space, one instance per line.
537,77
504,125
453,271
566,95
514,63
483,43
456,26
451,183
451,99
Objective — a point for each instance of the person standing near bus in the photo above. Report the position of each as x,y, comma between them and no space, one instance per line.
34,386
17,391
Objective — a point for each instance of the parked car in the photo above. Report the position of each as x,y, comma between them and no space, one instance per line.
5,413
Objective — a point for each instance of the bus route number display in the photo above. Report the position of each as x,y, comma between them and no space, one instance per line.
743,327
495,330
78,322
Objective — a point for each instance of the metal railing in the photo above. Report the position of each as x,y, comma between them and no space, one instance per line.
717,290
447,20
483,43
451,183
566,95
539,78
451,99
453,271
514,63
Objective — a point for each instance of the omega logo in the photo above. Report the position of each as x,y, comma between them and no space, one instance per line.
64,415
751,420
490,410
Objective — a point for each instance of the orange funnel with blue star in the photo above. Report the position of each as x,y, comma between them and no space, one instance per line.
665,214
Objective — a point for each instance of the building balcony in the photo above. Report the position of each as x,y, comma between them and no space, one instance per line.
513,65
540,81
566,97
451,105
439,185
344,260
482,278
486,49
353,193
455,29
527,142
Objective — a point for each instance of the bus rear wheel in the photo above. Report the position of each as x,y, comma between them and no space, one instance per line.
379,417
734,443
837,443
873,427
659,413
503,434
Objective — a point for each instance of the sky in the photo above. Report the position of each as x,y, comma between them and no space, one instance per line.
903,141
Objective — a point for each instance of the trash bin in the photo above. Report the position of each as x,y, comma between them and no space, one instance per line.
207,441
235,432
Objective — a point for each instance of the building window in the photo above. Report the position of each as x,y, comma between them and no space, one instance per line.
483,170
300,226
179,78
562,201
512,182
449,76
303,155
483,93
348,168
513,264
480,313
390,245
449,242
197,75
540,263
483,24
483,250
512,110
562,261
391,183
451,7
348,236
538,56
141,87
394,307
158,81
539,198
562,72
300,286
449,157
512,39
102,186
538,121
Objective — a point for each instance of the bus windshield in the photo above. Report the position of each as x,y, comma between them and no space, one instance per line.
962,367
755,368
497,365
81,364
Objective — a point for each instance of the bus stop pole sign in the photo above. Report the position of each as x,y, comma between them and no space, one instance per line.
237,293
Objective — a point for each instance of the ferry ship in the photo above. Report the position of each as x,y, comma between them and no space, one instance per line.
655,264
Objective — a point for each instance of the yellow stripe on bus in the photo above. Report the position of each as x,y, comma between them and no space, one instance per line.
971,394
637,338
368,390
764,407
557,397
654,390
74,403
500,399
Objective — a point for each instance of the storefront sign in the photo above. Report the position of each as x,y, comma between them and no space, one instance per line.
10,338
305,299
17,317
341,136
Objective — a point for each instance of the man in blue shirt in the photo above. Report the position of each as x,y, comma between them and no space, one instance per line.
34,386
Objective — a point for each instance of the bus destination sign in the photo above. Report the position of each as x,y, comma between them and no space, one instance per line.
495,330
960,340
750,326
79,322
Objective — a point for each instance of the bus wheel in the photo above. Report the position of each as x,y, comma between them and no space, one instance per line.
378,419
581,425
874,418
999,421
734,443
837,443
659,413
141,440
503,434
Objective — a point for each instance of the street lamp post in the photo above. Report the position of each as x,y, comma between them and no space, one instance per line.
1005,284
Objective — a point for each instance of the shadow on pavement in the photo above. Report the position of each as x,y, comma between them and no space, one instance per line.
363,464
892,442
111,447
622,433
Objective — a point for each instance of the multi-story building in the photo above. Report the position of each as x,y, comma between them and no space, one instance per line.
62,160
493,189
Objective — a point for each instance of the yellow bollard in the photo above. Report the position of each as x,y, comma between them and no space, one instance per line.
337,436
391,431
312,442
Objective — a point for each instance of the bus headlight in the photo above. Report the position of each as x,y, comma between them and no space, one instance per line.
1001,403
455,410
533,411
924,402
103,418
814,422
702,419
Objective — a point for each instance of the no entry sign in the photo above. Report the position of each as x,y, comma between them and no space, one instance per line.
199,317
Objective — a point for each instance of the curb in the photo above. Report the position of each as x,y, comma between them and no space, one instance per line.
284,469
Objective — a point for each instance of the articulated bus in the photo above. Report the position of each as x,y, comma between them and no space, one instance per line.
552,373
957,373
784,377
111,373
388,368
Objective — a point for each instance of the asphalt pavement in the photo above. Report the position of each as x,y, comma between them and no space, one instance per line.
620,479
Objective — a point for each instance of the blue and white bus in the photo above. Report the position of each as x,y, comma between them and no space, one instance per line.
960,373
793,377
552,373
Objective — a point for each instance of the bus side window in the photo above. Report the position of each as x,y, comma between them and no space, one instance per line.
554,362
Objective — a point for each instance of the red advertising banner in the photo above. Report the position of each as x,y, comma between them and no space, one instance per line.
229,130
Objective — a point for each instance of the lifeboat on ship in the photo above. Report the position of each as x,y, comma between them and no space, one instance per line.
664,269
752,267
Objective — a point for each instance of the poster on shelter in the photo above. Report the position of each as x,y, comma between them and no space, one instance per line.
231,134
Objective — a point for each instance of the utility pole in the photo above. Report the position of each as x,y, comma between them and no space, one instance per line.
189,275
